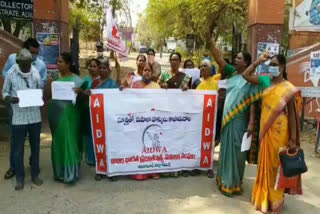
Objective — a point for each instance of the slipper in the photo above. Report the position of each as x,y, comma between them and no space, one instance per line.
9,174
98,177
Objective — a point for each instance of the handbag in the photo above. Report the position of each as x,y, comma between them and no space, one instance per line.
293,164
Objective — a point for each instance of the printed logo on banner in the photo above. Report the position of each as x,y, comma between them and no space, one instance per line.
151,136
207,143
98,132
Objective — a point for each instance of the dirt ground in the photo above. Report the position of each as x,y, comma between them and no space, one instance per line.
165,196
191,195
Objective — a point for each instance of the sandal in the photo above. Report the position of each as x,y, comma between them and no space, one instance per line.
210,174
174,174
185,173
9,174
98,177
195,172
114,178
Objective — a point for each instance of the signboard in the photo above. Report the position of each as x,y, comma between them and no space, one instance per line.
152,131
310,92
272,49
17,9
305,15
49,48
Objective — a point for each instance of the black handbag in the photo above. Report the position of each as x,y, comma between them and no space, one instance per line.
293,164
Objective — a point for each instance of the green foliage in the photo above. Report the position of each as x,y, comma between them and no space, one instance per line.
90,18
200,17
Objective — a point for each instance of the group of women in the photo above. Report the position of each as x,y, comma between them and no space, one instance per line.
278,121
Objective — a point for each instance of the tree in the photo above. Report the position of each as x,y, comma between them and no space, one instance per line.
199,17
8,23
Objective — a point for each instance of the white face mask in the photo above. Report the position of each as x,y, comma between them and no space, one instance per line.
274,71
100,54
151,59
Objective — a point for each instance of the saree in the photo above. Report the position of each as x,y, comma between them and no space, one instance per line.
240,95
179,80
274,136
208,84
87,138
141,84
64,122
92,83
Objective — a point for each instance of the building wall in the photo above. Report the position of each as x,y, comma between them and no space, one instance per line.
303,39
53,17
266,12
298,67
265,21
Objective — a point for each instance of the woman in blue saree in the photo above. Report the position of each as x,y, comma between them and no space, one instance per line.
105,82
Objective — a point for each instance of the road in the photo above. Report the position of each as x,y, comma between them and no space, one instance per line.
191,195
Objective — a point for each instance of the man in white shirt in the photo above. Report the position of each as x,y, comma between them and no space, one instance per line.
24,76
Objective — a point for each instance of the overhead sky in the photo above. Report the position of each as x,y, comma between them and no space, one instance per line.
137,7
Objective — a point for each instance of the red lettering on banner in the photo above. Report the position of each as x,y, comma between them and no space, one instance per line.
208,127
98,130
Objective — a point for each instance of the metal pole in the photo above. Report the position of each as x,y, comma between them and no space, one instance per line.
302,114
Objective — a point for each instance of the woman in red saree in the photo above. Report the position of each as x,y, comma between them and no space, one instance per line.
278,130
145,83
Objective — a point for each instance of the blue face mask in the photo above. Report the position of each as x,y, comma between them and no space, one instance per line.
147,81
34,57
274,71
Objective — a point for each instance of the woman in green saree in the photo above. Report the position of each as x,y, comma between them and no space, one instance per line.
64,123
235,122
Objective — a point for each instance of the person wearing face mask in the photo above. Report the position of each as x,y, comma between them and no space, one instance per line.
137,75
238,118
105,82
145,83
156,67
278,129
100,49
93,78
25,121
33,46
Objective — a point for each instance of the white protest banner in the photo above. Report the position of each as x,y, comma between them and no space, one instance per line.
63,91
30,98
194,73
152,131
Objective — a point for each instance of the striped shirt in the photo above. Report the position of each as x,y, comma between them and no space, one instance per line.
14,82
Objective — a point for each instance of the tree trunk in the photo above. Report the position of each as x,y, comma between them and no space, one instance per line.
6,25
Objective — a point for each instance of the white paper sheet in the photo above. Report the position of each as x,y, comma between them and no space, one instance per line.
63,91
30,98
246,142
222,84
195,73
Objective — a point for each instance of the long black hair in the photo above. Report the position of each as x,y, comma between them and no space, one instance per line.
141,55
67,58
98,62
175,53
185,63
247,58
282,61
